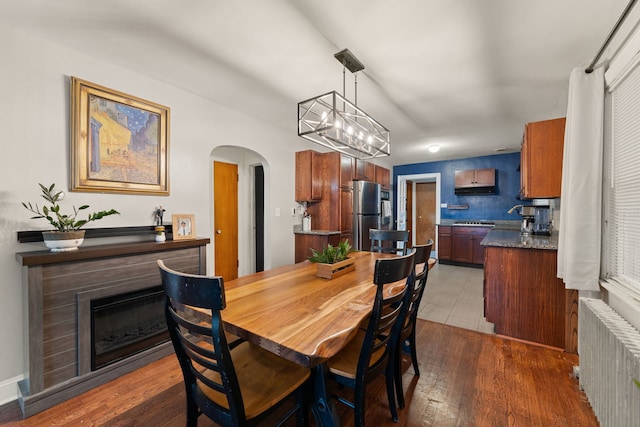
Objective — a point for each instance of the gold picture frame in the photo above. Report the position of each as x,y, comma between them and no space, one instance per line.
119,142
183,226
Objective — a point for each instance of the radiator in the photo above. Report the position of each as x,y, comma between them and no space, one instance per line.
609,349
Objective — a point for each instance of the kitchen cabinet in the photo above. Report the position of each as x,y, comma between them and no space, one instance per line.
461,245
525,300
541,159
475,178
316,240
365,170
347,170
444,243
383,177
335,209
308,180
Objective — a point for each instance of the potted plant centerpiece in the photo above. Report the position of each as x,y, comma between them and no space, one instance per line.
332,260
67,235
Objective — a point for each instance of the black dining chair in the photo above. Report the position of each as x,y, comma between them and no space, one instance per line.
387,241
412,302
239,384
368,354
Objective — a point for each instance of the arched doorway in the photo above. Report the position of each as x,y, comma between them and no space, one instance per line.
252,223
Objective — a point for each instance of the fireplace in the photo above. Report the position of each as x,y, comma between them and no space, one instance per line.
125,324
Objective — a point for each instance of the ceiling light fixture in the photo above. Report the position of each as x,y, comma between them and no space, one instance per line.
434,148
336,123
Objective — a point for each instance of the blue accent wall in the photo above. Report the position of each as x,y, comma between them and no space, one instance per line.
485,207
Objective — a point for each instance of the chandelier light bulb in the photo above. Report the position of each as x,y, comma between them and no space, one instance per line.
361,135
370,139
337,124
350,130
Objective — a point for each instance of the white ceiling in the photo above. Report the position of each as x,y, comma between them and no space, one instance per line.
464,74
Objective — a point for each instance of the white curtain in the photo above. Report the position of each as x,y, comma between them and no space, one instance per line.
581,203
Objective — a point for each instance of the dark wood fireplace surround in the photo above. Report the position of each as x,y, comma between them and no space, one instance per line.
58,288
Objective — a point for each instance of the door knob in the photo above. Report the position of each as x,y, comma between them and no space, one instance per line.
218,231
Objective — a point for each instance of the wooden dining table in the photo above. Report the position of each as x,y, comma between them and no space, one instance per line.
299,316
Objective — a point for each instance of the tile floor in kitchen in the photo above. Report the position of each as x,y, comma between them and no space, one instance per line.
454,297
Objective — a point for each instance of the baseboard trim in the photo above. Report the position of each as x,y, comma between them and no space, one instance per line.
9,389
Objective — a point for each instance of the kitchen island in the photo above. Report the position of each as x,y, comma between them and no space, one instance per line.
522,295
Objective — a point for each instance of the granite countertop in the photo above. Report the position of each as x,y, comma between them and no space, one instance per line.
513,239
297,229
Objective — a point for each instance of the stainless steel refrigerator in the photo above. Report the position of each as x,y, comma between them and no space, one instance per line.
366,212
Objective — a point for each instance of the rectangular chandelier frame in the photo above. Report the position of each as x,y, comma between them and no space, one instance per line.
334,122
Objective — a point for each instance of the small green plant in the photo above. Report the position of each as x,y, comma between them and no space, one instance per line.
331,254
637,382
60,221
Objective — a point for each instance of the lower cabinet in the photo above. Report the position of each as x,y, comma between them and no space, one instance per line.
307,241
525,300
461,244
444,243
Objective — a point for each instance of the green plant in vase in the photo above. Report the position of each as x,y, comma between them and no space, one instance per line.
332,261
331,254
67,226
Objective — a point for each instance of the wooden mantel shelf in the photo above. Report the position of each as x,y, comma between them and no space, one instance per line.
103,251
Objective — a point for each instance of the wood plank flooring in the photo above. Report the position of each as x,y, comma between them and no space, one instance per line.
467,378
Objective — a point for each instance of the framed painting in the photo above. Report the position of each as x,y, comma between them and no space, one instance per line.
183,226
119,143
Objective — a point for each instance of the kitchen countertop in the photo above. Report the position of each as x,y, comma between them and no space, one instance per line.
494,224
297,229
513,239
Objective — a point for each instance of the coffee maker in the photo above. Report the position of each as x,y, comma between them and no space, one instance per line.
541,220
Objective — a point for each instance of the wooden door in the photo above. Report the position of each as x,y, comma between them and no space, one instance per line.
425,213
225,211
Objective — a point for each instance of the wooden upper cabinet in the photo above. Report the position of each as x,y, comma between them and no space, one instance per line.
541,159
471,178
347,170
365,170
383,177
308,176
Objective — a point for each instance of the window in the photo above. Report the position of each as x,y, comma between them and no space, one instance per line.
621,240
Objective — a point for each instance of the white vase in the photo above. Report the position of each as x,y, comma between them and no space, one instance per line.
63,241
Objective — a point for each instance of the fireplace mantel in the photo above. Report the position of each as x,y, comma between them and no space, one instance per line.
53,285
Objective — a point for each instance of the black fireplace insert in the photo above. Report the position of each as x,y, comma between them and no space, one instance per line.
125,324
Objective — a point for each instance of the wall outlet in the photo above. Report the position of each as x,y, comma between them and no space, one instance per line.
293,212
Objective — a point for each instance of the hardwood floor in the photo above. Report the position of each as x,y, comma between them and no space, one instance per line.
467,378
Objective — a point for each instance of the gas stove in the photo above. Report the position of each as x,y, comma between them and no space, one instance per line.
467,223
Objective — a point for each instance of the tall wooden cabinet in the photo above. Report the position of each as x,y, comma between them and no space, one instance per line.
308,176
541,159
325,182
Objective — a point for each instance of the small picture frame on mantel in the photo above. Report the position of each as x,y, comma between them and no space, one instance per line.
184,226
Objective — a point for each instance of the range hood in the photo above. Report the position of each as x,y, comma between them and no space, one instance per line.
477,191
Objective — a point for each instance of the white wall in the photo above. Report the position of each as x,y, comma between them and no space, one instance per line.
34,134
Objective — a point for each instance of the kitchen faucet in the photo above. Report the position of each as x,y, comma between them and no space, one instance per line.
510,211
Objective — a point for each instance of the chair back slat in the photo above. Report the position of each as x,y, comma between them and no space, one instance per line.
386,241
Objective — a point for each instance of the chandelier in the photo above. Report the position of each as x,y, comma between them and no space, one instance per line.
334,122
